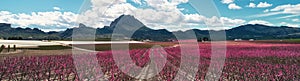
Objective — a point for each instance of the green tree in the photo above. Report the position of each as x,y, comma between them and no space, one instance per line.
15,48
199,39
2,47
8,48
205,39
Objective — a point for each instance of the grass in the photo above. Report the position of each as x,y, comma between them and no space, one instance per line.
283,41
293,40
53,47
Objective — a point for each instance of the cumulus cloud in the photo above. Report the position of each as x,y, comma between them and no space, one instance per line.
227,1
56,8
234,6
231,22
290,9
260,5
282,7
162,14
252,5
231,4
213,21
260,22
263,5
43,19
166,15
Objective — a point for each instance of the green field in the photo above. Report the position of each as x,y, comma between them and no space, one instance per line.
284,41
53,47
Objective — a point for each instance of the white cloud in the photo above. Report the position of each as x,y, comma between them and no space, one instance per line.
179,1
288,16
102,12
295,20
41,19
213,21
227,1
267,14
194,18
282,7
260,5
165,5
252,5
260,22
264,5
137,1
292,25
232,22
290,10
231,4
56,8
163,14
267,10
234,6
289,25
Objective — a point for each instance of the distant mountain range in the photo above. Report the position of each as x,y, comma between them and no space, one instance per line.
128,27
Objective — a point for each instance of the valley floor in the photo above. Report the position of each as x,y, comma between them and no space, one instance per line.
244,61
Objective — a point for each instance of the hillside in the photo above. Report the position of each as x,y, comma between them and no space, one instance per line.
127,27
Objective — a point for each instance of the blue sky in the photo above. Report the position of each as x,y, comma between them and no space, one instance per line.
28,6
58,15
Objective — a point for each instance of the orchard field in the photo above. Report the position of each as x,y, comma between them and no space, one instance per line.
250,61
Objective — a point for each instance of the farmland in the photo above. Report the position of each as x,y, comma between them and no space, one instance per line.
244,61
40,48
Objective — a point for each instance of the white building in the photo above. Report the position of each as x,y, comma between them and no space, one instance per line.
251,39
147,40
237,39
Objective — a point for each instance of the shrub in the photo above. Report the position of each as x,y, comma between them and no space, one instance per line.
2,47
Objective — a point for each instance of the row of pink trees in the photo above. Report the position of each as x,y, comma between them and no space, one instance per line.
243,63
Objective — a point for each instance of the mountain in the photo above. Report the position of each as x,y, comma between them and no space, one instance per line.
6,31
82,32
122,28
258,31
128,27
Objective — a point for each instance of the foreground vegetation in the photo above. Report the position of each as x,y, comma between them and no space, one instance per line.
52,47
245,61
282,41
